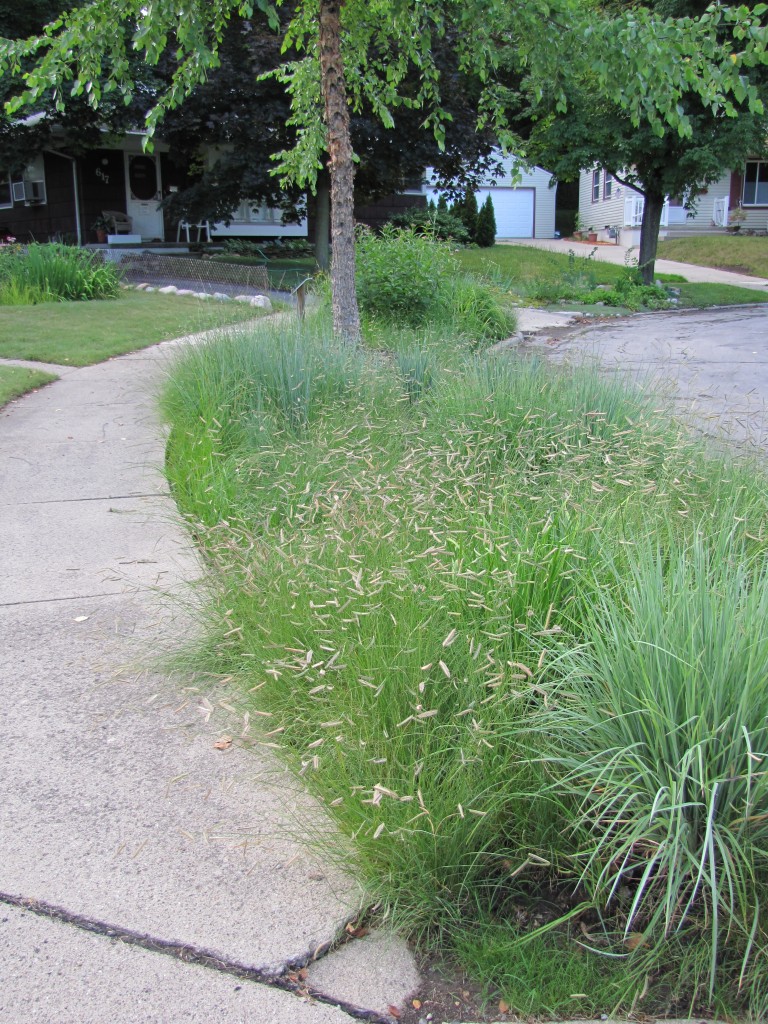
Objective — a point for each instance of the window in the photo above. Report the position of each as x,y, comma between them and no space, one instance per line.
6,198
607,185
596,185
756,183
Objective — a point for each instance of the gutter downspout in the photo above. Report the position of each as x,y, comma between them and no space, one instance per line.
75,189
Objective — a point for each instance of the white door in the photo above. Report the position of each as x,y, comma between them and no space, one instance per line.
143,193
513,208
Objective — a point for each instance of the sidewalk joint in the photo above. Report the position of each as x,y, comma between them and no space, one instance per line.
286,981
69,597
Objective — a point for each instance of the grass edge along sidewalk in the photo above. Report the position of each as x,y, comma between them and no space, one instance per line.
16,381
84,333
427,573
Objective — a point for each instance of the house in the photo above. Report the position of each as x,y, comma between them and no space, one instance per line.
614,210
524,204
59,196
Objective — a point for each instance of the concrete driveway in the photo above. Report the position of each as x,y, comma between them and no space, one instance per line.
620,253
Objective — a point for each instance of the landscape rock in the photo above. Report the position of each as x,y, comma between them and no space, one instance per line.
169,289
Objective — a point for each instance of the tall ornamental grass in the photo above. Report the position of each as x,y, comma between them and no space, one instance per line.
506,622
52,272
655,729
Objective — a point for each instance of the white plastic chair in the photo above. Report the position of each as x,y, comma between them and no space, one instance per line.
200,227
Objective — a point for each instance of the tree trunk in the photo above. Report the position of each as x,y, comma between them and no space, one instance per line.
322,220
346,318
649,234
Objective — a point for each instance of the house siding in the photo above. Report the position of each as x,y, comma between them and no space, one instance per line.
604,213
55,218
607,213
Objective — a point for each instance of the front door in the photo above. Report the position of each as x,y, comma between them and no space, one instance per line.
144,191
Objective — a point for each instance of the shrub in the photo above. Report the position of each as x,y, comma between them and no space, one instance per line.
435,222
486,225
466,210
400,275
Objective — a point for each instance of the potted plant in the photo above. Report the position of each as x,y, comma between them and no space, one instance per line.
101,226
591,235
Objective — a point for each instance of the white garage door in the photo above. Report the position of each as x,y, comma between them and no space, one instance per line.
514,208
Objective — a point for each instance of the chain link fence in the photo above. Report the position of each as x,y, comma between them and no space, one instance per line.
196,274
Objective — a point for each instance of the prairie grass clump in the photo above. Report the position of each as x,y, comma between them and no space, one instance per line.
52,272
505,620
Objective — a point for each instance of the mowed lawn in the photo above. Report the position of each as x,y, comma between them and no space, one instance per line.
742,254
83,333
17,380
518,267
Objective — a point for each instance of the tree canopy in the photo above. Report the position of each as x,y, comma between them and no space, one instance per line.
596,130
363,51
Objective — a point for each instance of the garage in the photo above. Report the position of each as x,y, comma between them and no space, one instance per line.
514,209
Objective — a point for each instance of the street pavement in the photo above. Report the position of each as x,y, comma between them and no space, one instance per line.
129,844
712,363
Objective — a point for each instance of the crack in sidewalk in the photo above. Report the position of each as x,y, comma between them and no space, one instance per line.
287,980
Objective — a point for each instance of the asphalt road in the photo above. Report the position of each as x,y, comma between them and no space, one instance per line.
713,362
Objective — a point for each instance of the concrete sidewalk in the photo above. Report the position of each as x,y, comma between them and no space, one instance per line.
620,253
125,836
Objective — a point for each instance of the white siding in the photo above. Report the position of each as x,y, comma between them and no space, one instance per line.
705,205
610,212
604,212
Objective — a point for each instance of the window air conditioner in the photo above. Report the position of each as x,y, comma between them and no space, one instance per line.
31,193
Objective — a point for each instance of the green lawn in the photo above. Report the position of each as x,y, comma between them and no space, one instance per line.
16,381
744,255
522,269
82,333
521,264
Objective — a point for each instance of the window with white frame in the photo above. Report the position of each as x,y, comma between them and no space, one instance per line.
607,185
596,185
6,196
755,183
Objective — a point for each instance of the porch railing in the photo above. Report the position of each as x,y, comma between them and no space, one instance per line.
633,212
720,212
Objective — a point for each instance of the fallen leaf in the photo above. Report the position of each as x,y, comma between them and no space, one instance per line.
503,1006
633,940
416,1004
81,618
223,744
394,1012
